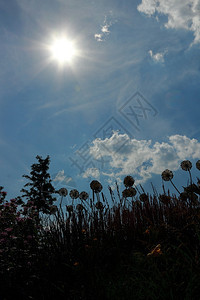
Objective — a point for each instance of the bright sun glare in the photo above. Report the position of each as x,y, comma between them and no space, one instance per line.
62,50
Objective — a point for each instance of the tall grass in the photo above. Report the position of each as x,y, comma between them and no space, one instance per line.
135,247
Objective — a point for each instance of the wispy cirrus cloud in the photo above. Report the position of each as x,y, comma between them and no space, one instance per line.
184,14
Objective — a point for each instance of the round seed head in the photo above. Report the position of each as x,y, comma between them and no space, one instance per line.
128,181
130,192
198,164
143,197
99,205
74,194
186,165
79,207
83,196
96,186
63,192
167,175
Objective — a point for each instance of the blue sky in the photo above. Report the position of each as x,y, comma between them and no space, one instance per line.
86,114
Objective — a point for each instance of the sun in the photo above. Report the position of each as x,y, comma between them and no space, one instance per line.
62,50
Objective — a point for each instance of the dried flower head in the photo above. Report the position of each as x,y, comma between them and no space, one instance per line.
83,196
125,193
74,194
99,205
63,192
96,186
143,197
130,192
79,207
186,165
69,208
167,175
198,164
128,181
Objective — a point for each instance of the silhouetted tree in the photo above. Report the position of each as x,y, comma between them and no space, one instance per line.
41,189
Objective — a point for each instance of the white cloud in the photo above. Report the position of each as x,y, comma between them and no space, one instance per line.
91,172
141,158
100,37
182,14
191,146
157,57
147,6
105,28
61,177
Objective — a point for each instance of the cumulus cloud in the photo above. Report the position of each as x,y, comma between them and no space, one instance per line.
182,14
157,57
91,172
142,158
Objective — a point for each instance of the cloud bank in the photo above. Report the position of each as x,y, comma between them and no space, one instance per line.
142,158
182,14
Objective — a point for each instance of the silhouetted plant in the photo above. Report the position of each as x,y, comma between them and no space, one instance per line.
41,189
147,246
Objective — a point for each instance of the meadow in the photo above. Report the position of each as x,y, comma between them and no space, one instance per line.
134,245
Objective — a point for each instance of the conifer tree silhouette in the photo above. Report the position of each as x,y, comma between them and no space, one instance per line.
41,189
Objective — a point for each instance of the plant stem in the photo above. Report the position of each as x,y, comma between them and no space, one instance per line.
174,186
190,177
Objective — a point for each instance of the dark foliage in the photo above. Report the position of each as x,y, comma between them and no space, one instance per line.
40,187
